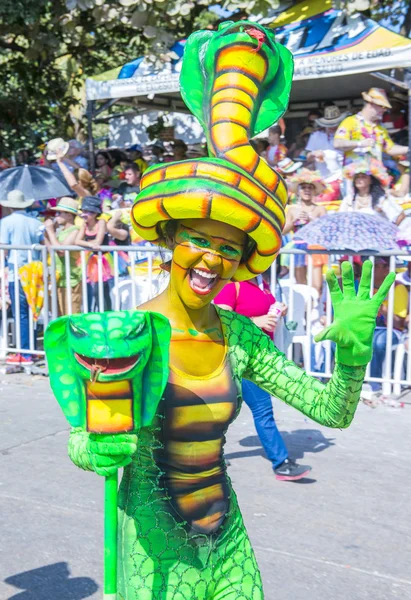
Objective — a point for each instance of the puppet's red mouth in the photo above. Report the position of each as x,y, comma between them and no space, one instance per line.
107,366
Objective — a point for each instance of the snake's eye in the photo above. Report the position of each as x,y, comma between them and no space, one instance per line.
77,331
135,332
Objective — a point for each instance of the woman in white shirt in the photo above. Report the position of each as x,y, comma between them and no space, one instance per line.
369,195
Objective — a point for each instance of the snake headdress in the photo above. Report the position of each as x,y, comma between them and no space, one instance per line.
237,82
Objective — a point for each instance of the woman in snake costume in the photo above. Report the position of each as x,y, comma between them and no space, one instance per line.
181,533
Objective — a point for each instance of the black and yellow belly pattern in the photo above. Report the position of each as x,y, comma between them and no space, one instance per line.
197,412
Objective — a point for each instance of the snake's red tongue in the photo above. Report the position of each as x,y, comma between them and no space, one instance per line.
257,34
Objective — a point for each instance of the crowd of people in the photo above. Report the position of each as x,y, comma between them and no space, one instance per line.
338,161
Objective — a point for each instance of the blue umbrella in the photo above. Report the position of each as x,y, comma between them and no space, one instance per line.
354,231
36,183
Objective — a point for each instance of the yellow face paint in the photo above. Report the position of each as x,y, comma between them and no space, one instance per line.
206,256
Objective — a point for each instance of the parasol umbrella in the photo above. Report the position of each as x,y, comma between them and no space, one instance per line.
32,282
36,183
354,231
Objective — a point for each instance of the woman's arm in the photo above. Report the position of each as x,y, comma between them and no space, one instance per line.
403,188
116,232
333,404
289,221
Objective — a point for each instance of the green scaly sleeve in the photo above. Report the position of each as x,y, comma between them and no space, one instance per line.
255,357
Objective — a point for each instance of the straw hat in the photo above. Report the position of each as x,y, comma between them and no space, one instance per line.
332,117
368,166
238,188
16,199
287,165
376,96
307,176
54,145
66,204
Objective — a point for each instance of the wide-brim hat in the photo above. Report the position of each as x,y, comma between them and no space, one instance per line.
332,117
287,165
307,176
211,188
66,204
376,96
368,166
16,199
54,145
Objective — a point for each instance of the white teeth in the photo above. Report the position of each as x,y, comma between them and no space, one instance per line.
205,274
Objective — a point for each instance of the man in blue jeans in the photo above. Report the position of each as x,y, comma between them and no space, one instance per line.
259,402
17,229
381,269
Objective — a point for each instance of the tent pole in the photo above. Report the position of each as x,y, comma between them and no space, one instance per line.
407,79
90,115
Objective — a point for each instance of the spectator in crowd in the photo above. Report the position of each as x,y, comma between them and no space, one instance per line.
103,170
321,151
402,187
18,229
81,181
369,194
298,148
396,115
127,191
63,232
120,236
312,117
254,299
307,184
261,146
363,132
276,151
381,269
23,157
135,154
75,155
179,150
158,151
92,235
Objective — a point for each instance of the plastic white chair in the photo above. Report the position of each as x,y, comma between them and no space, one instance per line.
123,293
11,336
301,295
400,354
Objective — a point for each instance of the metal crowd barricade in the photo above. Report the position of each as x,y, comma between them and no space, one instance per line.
128,289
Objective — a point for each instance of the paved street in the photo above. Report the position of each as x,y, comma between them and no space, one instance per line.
343,534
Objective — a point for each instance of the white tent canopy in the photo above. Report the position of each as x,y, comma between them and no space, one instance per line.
337,50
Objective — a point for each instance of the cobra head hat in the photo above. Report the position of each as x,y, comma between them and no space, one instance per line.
237,82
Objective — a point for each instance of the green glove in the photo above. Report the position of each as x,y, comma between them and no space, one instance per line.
108,453
354,315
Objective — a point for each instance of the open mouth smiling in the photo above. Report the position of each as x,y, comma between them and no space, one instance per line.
202,281
107,366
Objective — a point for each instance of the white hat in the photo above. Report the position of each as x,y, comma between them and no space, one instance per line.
332,117
57,144
15,199
287,165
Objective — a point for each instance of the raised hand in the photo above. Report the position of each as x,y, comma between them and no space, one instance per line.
111,452
354,314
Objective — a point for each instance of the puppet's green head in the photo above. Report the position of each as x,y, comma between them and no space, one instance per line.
108,370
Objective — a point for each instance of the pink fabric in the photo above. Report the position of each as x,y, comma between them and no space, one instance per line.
251,301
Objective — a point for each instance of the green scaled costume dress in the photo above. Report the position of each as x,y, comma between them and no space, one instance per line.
181,534
160,556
